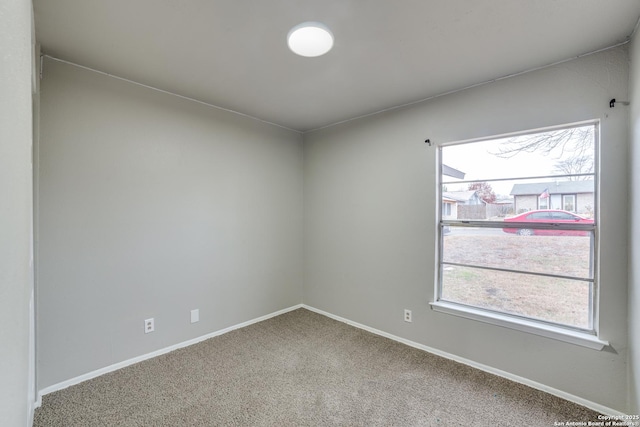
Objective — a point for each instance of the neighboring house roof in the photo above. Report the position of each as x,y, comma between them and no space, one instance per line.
504,201
454,173
459,196
560,187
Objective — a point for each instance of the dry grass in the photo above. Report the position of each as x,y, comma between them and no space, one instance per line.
547,298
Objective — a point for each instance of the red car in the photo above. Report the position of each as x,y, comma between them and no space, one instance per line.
547,216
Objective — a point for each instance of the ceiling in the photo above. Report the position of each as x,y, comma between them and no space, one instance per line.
233,53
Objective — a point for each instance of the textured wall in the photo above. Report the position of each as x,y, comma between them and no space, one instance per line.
370,223
15,209
149,206
634,231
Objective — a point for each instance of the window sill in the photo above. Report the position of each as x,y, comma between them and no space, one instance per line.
549,331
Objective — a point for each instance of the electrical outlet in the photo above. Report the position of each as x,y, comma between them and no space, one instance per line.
195,315
149,326
407,315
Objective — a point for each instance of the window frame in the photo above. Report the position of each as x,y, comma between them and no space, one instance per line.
585,337
446,208
546,200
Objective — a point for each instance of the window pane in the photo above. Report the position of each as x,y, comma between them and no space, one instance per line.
562,255
519,196
550,299
563,216
548,170
538,216
568,151
518,234
569,202
543,203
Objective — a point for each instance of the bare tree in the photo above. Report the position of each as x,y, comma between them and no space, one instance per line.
576,141
575,166
572,146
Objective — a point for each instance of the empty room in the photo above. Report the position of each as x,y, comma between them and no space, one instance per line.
337,212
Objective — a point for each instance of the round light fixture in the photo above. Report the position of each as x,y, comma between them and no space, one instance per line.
310,39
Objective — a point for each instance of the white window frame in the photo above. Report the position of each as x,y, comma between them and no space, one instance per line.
544,200
446,208
586,338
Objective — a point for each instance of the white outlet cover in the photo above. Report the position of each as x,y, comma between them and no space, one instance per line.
149,325
195,315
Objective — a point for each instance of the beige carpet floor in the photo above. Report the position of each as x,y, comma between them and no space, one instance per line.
302,369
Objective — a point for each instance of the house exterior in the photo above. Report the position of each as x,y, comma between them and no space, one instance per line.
572,196
450,199
462,204
469,197
449,208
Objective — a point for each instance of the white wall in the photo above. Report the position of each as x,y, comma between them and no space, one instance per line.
634,230
149,206
15,209
370,223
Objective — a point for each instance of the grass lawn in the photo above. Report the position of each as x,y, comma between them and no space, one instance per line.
557,300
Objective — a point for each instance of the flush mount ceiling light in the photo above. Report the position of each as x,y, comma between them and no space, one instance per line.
310,39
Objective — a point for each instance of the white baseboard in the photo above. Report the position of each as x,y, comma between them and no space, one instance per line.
33,400
38,402
93,374
31,408
518,379
533,384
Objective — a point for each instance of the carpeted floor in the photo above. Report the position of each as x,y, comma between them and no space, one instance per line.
302,369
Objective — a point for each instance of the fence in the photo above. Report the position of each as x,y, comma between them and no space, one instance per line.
484,211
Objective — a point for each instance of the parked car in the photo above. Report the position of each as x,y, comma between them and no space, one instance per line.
547,216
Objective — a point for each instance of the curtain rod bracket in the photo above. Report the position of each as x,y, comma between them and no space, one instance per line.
428,141
613,103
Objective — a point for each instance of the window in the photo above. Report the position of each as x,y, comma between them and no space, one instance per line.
569,202
531,266
446,209
543,216
563,216
543,202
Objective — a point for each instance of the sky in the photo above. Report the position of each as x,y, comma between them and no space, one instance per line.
478,160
